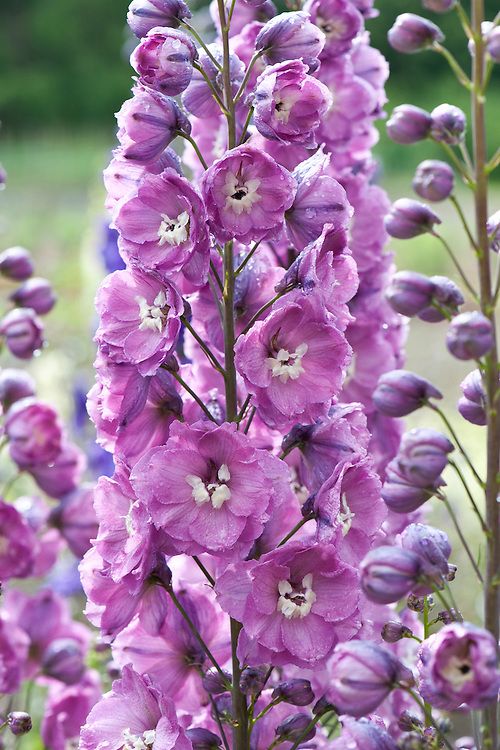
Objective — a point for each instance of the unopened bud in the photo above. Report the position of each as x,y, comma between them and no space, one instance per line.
412,33
448,124
63,660
298,692
400,392
203,739
439,6
434,180
469,336
447,616
294,728
408,218
415,603
36,293
253,679
409,124
16,264
394,631
19,722
408,721
409,292
214,683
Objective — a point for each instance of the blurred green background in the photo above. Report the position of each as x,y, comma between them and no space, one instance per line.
64,72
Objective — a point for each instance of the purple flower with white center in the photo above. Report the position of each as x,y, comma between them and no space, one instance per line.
34,432
472,404
319,200
139,319
296,603
17,543
148,122
458,665
133,716
339,21
22,331
208,488
246,194
198,98
470,335
164,60
291,36
293,362
289,103
144,15
400,392
362,734
362,676
389,573
162,227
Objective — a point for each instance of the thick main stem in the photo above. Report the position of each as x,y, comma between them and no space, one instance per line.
492,589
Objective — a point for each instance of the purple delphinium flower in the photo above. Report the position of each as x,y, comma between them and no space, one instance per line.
122,176
34,432
164,60
134,714
362,676
17,543
291,36
139,319
293,362
289,103
144,15
458,665
208,488
339,21
246,194
162,226
14,644
296,603
66,709
389,573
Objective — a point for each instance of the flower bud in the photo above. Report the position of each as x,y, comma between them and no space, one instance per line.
448,124
408,218
469,336
423,455
439,6
493,229
293,728
252,679
416,603
224,707
412,33
291,36
164,60
465,743
23,332
213,683
449,615
19,722
408,721
63,660
433,548
408,124
298,692
143,15
400,495
389,573
392,632
15,385
16,264
472,405
492,40
434,180
203,739
447,298
400,392
35,293
409,292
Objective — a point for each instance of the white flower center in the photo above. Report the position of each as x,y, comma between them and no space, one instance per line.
174,231
345,516
241,195
215,492
293,603
138,742
152,316
458,671
284,103
287,364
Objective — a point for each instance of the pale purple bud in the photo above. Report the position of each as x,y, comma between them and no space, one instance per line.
16,264
412,33
433,548
63,660
252,679
214,684
416,603
472,405
448,298
389,573
224,706
408,721
423,455
493,229
23,332
203,739
408,218
19,722
465,743
298,692
439,6
400,392
392,632
144,15
164,60
294,728
400,495
15,385
291,36
448,124
409,292
36,293
408,124
469,336
434,180
493,44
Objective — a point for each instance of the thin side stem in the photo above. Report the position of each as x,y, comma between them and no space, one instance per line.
461,167
462,538
202,44
469,495
457,442
205,572
462,218
425,617
206,349
193,395
247,257
216,714
296,528
193,143
421,705
461,75
259,312
244,82
457,265
308,728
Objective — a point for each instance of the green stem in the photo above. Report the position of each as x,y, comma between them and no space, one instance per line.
266,709
259,312
457,441
215,712
246,125
308,728
244,82
247,258
467,177
193,143
296,528
425,615
469,495
205,572
421,705
241,734
193,395
462,218
461,75
202,44
456,264
462,539
493,162
464,19
206,350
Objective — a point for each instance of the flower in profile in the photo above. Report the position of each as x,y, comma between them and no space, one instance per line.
339,21
208,488
139,319
289,103
293,362
164,60
296,603
134,716
458,665
162,225
246,195
291,36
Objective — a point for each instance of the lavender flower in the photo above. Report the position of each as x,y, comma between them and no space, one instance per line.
143,15
164,60
291,36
